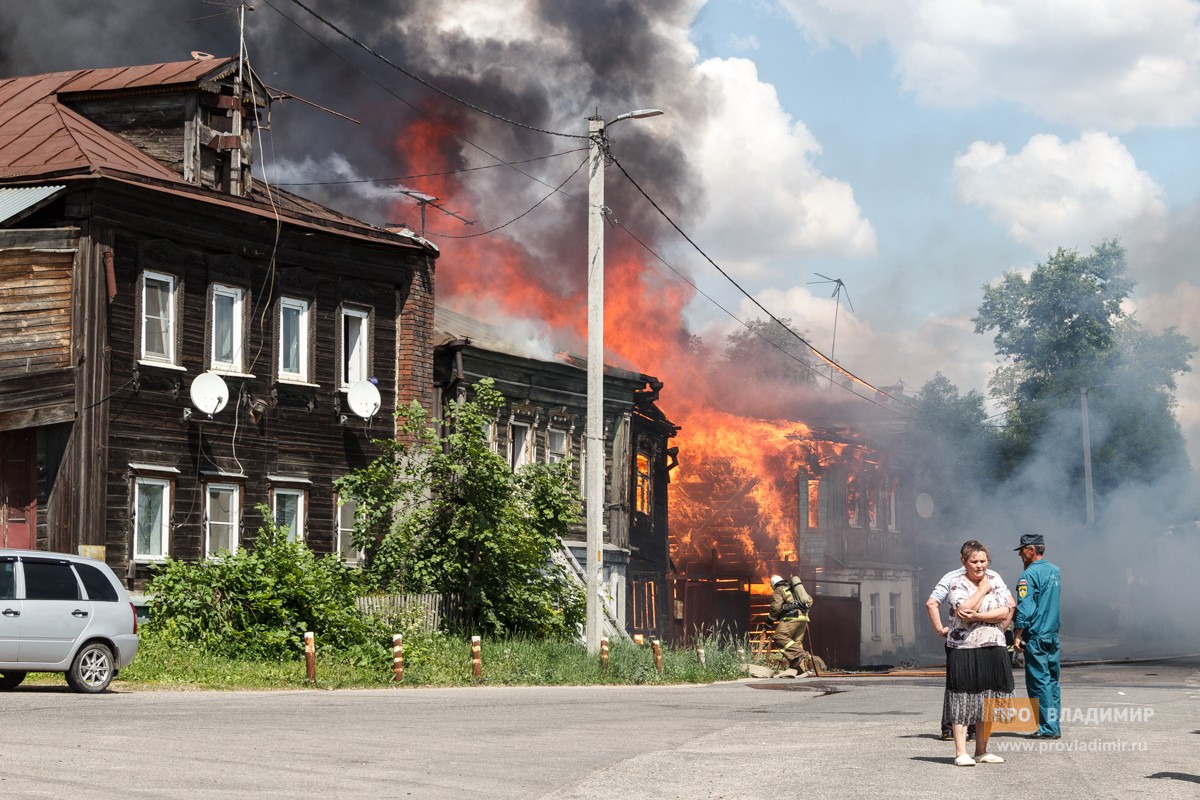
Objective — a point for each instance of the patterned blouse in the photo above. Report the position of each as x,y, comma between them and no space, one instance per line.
976,634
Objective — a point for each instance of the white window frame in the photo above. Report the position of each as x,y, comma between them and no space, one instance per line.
166,323
355,365
894,612
345,531
235,499
164,523
237,294
303,334
555,455
875,612
519,457
298,533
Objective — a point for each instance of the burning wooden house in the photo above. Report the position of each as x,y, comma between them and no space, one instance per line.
755,498
544,422
179,343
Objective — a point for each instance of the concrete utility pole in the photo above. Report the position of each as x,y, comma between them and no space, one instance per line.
594,454
1087,458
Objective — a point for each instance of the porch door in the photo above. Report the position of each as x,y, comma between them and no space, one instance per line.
18,488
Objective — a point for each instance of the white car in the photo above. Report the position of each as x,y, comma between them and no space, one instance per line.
63,613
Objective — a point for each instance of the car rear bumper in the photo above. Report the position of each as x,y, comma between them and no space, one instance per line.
127,647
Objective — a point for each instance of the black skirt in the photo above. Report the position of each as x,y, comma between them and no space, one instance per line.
979,669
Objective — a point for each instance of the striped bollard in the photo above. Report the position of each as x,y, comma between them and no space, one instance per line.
604,653
398,657
700,654
658,665
476,656
310,659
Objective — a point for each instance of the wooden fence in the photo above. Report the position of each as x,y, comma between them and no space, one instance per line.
432,611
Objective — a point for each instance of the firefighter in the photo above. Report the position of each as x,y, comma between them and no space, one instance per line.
789,613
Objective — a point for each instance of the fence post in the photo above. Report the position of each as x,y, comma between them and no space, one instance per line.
700,653
658,665
476,657
310,659
604,653
398,657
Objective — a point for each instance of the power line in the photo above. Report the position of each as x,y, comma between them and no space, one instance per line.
434,174
828,361
429,85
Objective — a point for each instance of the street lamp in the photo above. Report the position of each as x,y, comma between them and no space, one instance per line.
594,464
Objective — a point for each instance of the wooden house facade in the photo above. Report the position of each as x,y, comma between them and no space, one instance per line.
544,422
146,280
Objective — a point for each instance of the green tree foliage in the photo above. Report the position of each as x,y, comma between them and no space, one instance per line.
768,351
458,520
258,602
952,442
1063,329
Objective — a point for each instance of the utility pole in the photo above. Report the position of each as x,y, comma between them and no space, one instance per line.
1087,458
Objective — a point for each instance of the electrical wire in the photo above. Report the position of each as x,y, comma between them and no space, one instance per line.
433,174
429,85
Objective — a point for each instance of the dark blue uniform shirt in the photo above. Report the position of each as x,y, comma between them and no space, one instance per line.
1037,600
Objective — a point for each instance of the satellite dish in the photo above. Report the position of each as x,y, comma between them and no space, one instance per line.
209,393
924,506
363,399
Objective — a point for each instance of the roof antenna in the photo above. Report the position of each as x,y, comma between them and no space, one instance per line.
837,295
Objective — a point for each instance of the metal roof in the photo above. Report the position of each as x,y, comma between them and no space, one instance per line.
14,201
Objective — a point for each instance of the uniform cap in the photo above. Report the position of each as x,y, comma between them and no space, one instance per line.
1028,539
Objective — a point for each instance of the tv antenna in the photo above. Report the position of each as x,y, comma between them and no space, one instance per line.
429,200
837,296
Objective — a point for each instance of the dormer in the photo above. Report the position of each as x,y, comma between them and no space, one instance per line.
196,117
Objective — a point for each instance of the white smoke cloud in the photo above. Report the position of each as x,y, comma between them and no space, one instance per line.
767,199
1054,193
1107,64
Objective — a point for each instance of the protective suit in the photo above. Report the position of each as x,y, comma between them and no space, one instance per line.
790,604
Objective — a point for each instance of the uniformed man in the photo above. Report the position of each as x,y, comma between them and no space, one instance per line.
789,612
1036,633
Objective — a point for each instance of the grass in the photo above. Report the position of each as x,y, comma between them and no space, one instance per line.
429,660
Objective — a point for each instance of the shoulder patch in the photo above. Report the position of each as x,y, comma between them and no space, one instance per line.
1022,588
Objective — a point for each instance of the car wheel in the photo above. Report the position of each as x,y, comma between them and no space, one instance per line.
92,669
10,680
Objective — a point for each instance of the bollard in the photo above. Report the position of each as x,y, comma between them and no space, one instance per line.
398,657
310,659
476,657
639,639
700,654
658,665
741,654
604,654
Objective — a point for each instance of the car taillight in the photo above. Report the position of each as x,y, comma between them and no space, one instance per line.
134,610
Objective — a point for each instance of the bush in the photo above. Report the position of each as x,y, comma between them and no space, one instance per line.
258,602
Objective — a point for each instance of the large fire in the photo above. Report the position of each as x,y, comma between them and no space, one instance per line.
734,494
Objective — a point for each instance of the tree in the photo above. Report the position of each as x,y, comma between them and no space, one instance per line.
768,350
459,520
1063,331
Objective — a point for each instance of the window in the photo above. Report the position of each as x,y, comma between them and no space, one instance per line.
356,346
226,328
158,317
289,512
556,446
814,503
873,504
151,518
875,615
894,613
889,505
45,580
345,532
221,515
293,339
518,445
645,606
97,584
8,580
641,488
853,501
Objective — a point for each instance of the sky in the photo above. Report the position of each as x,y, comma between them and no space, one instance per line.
914,149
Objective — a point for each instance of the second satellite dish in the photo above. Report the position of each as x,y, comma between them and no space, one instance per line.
363,399
209,393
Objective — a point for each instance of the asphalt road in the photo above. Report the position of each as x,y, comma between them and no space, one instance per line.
1136,734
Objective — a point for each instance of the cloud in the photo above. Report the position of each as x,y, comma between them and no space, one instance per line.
1054,193
767,200
1107,64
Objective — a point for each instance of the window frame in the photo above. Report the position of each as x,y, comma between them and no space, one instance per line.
643,490
525,456
304,340
875,614
344,538
357,367
237,322
170,356
301,511
554,456
164,531
235,516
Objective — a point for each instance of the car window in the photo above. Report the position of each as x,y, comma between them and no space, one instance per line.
96,583
50,581
8,583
